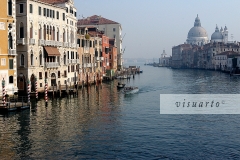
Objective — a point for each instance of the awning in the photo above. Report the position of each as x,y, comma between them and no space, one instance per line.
52,51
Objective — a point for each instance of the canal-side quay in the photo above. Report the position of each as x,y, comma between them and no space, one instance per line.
19,102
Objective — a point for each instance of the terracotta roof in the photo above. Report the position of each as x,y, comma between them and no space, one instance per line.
54,1
95,19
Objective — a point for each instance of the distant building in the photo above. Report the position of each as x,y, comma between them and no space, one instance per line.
197,34
111,29
164,60
220,36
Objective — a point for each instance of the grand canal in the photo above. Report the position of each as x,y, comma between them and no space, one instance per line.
102,123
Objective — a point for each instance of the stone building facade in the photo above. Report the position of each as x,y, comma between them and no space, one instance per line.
46,43
8,56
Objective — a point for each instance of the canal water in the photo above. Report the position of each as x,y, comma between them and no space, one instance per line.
102,123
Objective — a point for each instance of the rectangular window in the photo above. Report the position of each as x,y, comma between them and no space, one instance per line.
46,75
64,16
53,14
21,8
57,15
47,12
9,8
10,63
30,8
40,84
40,75
3,61
114,29
39,11
65,73
50,11
59,75
44,11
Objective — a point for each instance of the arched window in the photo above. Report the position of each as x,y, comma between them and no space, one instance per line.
10,79
44,32
40,58
31,30
67,36
64,40
57,34
21,30
40,32
22,60
64,59
31,58
9,7
53,34
10,41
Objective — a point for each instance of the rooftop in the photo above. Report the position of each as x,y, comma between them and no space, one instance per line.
95,20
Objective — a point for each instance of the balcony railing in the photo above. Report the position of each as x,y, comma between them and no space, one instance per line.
48,43
11,51
60,44
52,64
86,50
41,42
21,41
65,44
32,41
89,64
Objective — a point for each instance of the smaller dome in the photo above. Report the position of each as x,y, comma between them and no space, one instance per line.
221,30
217,35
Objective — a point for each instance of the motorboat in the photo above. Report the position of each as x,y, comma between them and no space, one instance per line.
130,90
120,85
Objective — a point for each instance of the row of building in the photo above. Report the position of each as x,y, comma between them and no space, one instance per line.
198,52
42,41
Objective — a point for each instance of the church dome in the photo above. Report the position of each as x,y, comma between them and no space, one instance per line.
217,35
197,34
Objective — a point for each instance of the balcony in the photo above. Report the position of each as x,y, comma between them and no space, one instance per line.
55,43
65,44
32,41
52,64
69,60
11,51
86,50
21,41
41,42
60,44
101,58
89,64
48,43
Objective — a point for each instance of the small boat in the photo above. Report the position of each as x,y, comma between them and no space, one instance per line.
120,85
141,71
130,90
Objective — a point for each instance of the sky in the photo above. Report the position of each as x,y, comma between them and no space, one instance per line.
154,25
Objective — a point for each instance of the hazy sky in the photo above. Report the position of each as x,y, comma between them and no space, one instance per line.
154,25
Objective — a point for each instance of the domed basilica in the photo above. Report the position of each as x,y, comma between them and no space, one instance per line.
197,34
220,36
